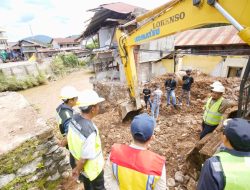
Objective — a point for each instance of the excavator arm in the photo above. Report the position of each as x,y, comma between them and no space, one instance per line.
173,17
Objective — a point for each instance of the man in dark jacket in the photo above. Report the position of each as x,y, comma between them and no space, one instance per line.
170,85
188,80
229,169
69,96
147,92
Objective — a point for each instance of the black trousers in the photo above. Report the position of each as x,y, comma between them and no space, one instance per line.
207,129
96,184
147,101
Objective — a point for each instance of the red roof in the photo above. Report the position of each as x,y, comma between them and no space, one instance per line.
119,7
65,40
208,36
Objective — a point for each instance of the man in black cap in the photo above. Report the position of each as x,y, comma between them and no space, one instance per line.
133,166
230,168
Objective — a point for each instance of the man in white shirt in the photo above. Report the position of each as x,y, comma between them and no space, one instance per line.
156,102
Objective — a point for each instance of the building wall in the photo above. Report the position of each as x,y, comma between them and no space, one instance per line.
160,48
105,36
144,72
162,67
234,61
208,64
3,40
55,45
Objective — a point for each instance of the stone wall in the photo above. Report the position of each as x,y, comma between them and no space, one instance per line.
113,92
22,69
29,155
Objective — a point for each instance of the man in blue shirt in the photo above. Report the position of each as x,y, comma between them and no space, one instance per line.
229,169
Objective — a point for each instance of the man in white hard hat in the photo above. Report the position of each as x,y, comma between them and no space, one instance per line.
84,142
216,83
69,96
214,109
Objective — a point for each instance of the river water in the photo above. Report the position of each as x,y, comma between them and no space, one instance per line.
46,97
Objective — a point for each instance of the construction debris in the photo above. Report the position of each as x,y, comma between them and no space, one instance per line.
178,129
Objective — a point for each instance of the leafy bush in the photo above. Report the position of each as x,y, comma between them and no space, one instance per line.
93,45
41,78
82,63
70,60
57,66
63,63
13,84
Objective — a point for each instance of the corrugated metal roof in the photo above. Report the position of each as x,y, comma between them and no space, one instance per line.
119,7
105,13
223,35
64,40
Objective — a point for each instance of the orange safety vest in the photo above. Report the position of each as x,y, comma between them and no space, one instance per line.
135,169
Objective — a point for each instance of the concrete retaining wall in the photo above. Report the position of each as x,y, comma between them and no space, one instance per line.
21,69
29,155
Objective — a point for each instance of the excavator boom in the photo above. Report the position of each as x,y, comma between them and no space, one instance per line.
173,17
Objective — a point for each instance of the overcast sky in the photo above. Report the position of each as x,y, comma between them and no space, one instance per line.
55,18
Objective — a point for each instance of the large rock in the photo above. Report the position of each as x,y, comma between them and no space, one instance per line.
179,177
19,121
29,168
171,182
5,179
30,157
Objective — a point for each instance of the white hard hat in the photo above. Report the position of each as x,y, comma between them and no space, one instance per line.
218,88
68,92
216,83
88,98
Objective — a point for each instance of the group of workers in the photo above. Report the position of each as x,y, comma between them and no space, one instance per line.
154,99
134,167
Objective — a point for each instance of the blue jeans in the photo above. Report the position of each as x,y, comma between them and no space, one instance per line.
155,110
171,94
185,93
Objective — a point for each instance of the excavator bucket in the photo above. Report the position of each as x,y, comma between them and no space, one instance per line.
129,108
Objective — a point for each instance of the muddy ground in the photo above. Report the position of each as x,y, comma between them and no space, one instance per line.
177,129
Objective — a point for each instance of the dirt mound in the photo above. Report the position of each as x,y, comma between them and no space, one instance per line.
177,131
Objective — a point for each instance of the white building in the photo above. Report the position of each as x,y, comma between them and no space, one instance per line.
65,43
3,39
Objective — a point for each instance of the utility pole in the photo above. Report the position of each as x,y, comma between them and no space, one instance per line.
31,32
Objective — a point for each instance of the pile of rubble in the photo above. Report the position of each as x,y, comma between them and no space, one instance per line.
177,131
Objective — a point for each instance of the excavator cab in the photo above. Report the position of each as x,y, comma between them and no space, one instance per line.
244,97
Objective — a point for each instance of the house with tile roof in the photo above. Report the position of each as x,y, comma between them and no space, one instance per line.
65,43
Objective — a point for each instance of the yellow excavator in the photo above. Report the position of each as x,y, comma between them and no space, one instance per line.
176,16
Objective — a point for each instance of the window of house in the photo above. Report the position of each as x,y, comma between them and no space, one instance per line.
234,71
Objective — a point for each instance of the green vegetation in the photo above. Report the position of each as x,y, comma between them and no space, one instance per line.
93,45
64,63
14,84
19,157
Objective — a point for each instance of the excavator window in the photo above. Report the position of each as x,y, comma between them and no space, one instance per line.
196,2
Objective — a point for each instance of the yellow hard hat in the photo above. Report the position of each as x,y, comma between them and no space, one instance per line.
88,98
68,92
